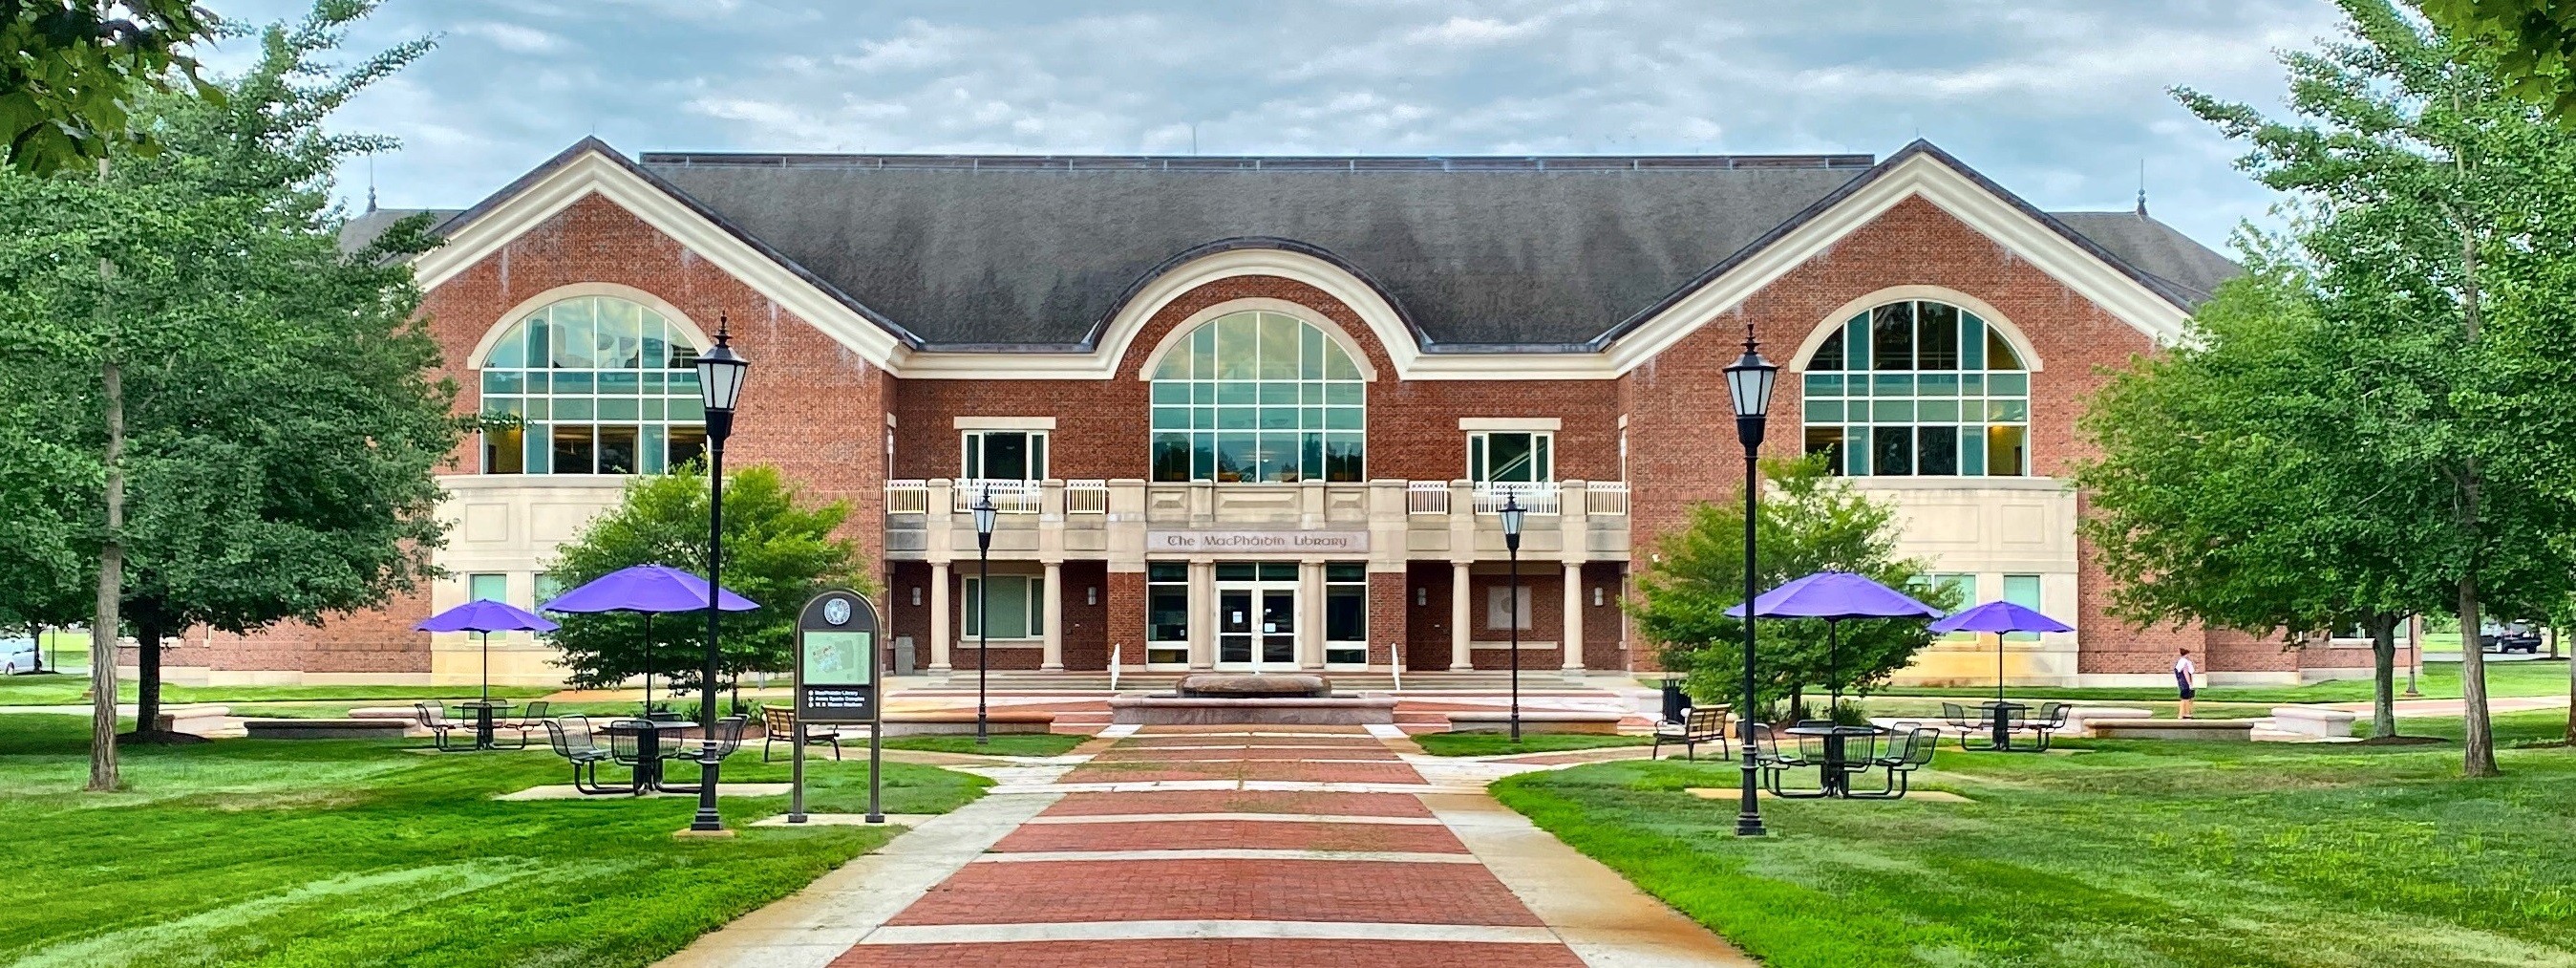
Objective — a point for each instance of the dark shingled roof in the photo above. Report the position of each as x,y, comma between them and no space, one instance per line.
1490,251
2175,266
1528,253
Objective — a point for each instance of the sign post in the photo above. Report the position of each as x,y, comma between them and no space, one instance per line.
837,657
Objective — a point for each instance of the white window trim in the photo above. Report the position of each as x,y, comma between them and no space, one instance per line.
1549,424
1036,603
966,443
1487,435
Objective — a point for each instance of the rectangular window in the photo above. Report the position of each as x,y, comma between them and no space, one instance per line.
1829,442
687,444
1966,586
1171,456
1016,607
2004,451
548,588
487,588
1892,330
1346,613
1005,455
572,453
2023,590
1891,452
504,451
1936,451
1512,456
617,450
1499,613
1167,613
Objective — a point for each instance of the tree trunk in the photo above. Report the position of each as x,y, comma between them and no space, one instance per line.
147,681
2383,675
2571,702
111,589
2478,751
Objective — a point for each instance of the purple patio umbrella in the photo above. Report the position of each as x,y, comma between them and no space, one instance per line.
1999,618
1835,596
647,590
485,616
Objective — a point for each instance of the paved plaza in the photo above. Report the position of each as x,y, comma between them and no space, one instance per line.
1220,846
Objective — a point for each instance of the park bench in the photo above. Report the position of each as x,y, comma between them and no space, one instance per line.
778,725
2314,721
2216,730
1698,725
325,728
1542,721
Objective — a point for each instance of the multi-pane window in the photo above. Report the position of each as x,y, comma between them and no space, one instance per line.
1167,612
1005,455
1919,388
2023,590
1016,608
1510,456
601,385
1258,396
1346,613
1966,585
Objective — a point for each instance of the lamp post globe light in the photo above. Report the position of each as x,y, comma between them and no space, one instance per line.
1748,389
1511,514
720,374
984,514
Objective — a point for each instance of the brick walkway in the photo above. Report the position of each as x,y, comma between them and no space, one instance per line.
1223,846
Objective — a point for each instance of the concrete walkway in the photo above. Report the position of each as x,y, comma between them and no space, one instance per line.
1224,846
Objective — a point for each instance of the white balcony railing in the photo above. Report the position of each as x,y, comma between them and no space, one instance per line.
907,497
1536,498
1009,497
1086,497
1426,497
1606,499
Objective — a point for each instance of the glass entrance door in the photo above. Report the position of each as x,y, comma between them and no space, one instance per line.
1256,617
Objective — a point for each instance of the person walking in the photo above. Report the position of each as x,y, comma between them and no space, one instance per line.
2183,671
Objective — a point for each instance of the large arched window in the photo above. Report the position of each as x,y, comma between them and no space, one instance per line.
1919,388
603,385
1258,396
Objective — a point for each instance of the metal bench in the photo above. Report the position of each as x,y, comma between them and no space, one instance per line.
778,725
1697,726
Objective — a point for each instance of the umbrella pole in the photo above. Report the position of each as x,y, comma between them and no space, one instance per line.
487,667
1833,663
1999,667
648,665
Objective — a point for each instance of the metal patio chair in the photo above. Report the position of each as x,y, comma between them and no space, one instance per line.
2051,718
434,719
572,740
1768,755
1913,754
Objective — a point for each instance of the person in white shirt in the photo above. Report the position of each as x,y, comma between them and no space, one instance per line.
2183,671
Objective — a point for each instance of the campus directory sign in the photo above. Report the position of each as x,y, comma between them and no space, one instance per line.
837,657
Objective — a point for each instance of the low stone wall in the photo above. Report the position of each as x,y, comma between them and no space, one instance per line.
1328,711
323,728
963,723
2218,730
1551,721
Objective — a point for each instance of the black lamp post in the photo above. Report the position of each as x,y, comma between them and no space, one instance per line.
984,513
1511,513
720,374
1748,388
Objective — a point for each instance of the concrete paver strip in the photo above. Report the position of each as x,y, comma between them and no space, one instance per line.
1600,915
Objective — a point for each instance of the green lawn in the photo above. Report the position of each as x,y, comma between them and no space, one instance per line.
2441,680
67,690
350,853
2135,854
1002,744
1495,744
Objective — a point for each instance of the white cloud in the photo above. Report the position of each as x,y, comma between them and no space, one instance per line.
2058,102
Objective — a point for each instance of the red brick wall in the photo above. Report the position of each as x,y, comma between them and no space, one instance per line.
1124,604
1101,429
1603,624
1390,599
1546,584
1682,448
380,641
1086,627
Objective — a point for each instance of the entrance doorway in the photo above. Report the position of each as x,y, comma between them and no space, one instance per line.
1256,616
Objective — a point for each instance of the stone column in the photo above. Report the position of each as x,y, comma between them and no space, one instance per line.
1572,634
1052,659
1203,615
1310,614
939,617
1460,658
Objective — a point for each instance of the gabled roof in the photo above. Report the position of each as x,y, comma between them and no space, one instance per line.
1473,255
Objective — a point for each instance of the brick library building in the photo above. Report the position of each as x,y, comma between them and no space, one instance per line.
1240,411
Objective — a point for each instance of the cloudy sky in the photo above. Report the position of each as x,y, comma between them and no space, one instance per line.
2061,102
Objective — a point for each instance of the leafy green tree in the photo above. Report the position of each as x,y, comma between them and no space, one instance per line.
263,427
779,551
71,70
1809,521
2238,486
2428,188
2535,45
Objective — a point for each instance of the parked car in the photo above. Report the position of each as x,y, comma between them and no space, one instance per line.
2501,637
19,655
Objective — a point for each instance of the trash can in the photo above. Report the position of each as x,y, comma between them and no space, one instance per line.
903,655
1676,705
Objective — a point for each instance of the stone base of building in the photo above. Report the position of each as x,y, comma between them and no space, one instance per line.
1323,711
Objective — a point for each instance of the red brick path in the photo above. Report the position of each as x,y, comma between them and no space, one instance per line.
1304,908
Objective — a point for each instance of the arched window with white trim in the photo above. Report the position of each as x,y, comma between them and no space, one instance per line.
1919,388
1258,396
602,385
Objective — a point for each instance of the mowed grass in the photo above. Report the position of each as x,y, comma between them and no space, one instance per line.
314,853
2441,680
63,690
1500,744
2134,854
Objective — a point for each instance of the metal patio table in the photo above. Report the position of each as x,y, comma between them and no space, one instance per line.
1834,781
483,711
2001,714
648,750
